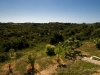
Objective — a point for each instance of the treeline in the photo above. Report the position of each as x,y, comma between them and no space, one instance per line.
23,35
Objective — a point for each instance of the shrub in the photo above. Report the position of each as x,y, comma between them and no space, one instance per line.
50,50
98,45
73,43
97,42
4,57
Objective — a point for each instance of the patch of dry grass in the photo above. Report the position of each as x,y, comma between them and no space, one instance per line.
89,48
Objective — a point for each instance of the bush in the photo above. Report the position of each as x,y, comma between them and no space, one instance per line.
98,45
50,50
97,42
18,55
4,57
73,43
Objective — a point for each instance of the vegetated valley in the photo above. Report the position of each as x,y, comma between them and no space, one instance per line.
49,48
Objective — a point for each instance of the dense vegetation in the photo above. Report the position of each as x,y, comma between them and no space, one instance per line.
23,35
49,39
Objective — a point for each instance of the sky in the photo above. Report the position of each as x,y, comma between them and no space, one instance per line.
44,11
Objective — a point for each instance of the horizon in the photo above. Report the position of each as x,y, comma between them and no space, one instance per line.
45,11
51,22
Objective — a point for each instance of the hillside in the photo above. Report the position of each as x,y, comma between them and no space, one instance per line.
48,65
48,48
24,35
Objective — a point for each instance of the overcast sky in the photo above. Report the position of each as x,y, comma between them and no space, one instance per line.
77,11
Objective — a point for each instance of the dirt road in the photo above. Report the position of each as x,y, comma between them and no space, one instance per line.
91,60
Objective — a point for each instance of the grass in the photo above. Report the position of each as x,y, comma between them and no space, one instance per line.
79,68
90,49
44,62
21,66
73,68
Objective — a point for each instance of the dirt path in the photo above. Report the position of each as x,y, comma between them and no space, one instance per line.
49,71
91,60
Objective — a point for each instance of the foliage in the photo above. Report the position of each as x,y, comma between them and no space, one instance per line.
24,35
59,51
97,42
18,55
31,60
50,50
56,39
71,45
95,33
73,68
4,57
15,43
31,70
98,45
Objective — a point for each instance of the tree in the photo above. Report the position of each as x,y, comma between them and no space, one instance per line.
31,60
95,33
56,39
59,50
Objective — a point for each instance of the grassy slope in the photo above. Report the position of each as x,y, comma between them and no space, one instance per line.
73,68
90,49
